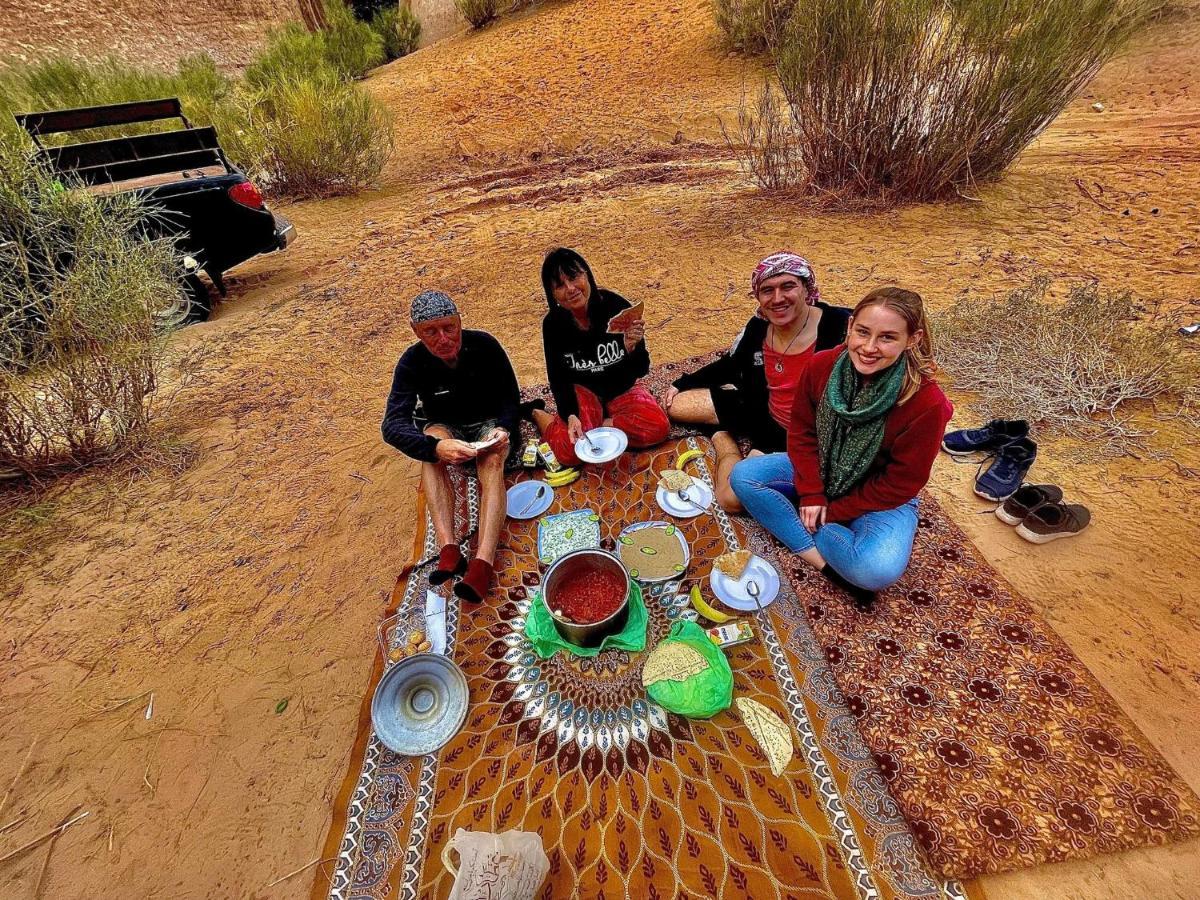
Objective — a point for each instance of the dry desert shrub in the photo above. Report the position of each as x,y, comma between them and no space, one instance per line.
478,12
1081,366
313,138
399,29
81,356
916,99
752,26
764,142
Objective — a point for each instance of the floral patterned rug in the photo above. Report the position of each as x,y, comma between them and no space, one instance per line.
630,801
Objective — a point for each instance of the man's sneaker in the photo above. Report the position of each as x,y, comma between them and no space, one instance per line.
1052,521
1007,471
990,438
1027,498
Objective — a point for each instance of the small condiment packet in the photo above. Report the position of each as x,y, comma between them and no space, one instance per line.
435,621
733,633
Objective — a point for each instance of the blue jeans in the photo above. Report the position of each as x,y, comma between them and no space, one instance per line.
871,552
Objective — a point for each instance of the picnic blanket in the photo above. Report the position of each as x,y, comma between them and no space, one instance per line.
630,801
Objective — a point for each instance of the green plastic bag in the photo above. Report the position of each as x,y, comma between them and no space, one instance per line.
542,633
701,695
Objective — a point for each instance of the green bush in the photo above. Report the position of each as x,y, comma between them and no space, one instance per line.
80,354
352,48
314,137
399,29
752,26
915,99
478,12
64,83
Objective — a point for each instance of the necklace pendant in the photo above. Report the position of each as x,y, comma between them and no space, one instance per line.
778,366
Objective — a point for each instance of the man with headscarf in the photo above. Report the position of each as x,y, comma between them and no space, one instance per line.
747,391
455,399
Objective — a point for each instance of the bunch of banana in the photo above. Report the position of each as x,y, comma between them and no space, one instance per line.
561,477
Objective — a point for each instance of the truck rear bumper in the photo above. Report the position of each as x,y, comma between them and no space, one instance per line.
285,232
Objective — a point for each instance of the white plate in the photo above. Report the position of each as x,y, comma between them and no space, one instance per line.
609,443
522,494
672,504
687,551
732,592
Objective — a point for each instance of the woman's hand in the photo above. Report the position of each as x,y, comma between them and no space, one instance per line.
574,428
634,334
812,517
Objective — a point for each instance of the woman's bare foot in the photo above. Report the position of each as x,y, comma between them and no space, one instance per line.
728,456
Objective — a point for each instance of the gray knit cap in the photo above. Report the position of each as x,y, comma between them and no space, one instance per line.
432,305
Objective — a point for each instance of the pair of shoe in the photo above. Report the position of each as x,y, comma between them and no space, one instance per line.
1007,442
476,576
1041,516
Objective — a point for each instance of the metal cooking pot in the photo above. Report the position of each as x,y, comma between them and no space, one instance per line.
563,570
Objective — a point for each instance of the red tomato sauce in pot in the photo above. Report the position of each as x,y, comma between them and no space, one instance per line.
590,596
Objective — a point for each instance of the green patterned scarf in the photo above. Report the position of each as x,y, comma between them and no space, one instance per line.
850,422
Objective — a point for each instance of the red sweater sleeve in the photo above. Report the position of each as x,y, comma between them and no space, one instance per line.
802,433
909,460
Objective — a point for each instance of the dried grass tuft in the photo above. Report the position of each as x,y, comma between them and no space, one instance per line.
1082,367
765,143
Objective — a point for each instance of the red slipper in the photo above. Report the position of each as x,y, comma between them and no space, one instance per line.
478,581
450,565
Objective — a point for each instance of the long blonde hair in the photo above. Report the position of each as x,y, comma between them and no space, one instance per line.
919,364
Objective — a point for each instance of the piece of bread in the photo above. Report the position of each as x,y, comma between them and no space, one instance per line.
620,323
733,564
672,480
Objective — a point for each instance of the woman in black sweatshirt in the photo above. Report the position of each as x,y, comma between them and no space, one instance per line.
593,373
747,391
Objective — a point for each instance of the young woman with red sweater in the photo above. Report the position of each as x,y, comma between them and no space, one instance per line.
867,423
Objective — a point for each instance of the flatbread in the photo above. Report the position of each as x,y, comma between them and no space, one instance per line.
652,552
674,661
673,480
769,730
620,323
733,564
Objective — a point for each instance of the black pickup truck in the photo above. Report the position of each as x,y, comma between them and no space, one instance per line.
214,212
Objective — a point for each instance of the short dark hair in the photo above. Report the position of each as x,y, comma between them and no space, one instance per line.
563,262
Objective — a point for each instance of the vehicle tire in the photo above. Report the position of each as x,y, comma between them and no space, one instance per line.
199,299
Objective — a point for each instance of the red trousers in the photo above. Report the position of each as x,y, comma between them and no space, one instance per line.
635,412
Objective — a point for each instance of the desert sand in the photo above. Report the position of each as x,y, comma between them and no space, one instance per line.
248,562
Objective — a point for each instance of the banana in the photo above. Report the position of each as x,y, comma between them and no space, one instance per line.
561,477
687,456
704,609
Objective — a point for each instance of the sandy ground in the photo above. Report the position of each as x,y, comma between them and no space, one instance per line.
253,570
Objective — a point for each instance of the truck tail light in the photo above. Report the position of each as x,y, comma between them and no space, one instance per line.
246,194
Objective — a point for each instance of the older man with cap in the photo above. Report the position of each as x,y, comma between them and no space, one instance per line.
747,391
454,399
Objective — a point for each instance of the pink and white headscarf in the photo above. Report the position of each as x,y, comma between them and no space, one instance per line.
786,263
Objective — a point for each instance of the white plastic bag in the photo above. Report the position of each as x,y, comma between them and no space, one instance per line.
509,866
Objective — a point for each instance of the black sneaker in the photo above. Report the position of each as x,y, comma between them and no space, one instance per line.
1007,471
1027,498
1052,521
988,439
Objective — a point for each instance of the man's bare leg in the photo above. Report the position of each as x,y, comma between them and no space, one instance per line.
439,497
694,407
728,456
493,502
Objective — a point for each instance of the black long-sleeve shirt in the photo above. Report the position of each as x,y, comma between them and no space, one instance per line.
593,359
481,386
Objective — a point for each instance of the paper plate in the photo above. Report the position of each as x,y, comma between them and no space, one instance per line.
672,504
524,502
421,703
732,592
609,443
687,552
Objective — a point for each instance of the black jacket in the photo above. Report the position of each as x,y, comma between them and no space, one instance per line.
593,359
480,388
742,364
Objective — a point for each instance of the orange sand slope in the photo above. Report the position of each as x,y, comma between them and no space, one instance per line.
257,573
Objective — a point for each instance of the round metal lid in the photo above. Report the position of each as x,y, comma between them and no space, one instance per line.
420,703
